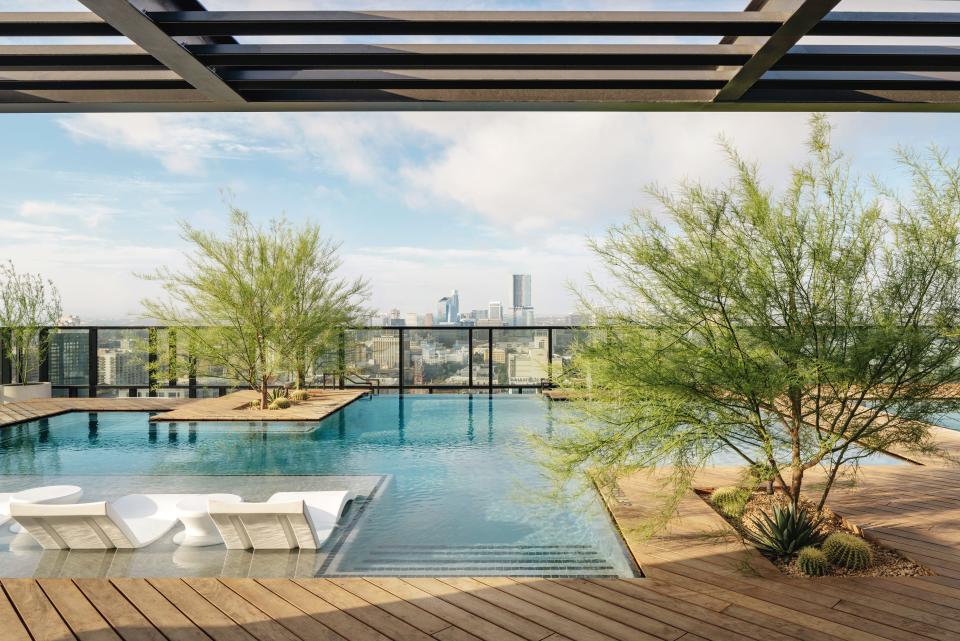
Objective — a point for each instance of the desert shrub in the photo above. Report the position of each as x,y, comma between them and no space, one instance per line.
784,532
848,551
812,562
277,392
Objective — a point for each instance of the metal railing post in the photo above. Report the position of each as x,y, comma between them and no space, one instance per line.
93,363
490,361
400,372
43,349
152,345
470,358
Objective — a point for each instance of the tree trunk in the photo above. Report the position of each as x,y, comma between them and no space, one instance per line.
264,393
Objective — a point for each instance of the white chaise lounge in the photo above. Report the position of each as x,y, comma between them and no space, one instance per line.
288,520
132,521
44,494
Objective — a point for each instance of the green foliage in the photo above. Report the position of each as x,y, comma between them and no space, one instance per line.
812,562
280,403
277,393
255,300
789,529
299,395
848,551
792,329
730,500
27,304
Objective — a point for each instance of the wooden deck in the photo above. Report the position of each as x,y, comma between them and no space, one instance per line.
11,413
701,585
232,407
691,606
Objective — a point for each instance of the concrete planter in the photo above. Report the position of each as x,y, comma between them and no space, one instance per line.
30,391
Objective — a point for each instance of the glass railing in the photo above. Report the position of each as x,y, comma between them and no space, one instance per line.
142,361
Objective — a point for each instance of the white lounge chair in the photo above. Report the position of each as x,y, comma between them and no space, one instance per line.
44,494
288,520
132,521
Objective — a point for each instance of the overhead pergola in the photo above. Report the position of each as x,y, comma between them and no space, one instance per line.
185,58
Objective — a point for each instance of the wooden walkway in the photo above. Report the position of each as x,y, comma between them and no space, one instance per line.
690,606
11,413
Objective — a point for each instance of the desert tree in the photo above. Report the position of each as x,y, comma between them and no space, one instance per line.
323,305
28,304
788,330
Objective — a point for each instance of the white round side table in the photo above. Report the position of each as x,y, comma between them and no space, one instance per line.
49,494
198,528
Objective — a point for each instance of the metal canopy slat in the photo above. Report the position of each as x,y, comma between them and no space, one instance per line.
185,58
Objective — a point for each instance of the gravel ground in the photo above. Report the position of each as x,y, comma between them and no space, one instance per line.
887,562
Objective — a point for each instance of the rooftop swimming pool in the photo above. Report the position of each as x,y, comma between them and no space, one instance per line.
450,483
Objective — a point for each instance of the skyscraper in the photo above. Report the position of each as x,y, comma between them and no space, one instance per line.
496,311
448,309
522,299
522,291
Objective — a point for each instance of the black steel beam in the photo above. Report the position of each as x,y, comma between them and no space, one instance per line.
468,23
91,79
20,24
888,23
804,17
76,57
319,56
870,58
136,26
832,80
270,79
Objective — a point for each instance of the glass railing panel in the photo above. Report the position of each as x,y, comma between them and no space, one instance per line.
122,357
520,356
69,357
372,354
565,342
436,357
481,357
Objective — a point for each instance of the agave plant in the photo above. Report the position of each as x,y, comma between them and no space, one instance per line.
277,392
785,532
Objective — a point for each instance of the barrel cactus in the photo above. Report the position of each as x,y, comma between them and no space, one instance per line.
298,395
730,500
847,551
281,403
812,562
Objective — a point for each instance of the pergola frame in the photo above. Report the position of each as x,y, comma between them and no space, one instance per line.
184,58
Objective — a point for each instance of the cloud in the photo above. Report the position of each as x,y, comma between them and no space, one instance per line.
90,214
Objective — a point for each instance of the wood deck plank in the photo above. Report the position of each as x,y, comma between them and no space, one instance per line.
123,617
329,615
39,615
78,613
201,612
242,612
163,614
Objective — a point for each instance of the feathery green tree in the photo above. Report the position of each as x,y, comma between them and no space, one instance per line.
789,331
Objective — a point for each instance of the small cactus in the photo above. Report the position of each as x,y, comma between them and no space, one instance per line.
847,551
730,500
281,403
298,395
812,562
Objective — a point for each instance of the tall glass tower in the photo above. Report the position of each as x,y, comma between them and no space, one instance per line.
522,299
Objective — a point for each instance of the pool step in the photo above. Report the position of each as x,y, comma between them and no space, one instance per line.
480,560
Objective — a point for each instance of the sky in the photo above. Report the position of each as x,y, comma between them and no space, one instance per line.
422,202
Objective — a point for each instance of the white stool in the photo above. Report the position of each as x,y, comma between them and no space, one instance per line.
50,494
198,528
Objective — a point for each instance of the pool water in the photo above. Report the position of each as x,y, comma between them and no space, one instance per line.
459,490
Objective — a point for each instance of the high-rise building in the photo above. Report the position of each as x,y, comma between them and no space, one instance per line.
448,309
428,320
522,291
411,320
495,312
454,309
386,351
522,299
